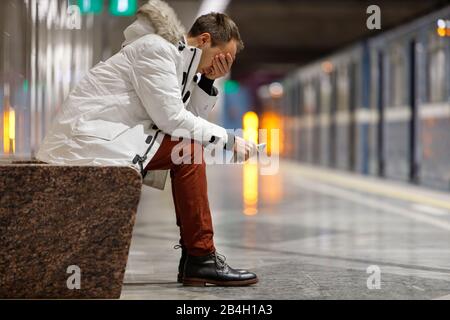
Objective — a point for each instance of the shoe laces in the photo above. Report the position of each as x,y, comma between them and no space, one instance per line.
220,260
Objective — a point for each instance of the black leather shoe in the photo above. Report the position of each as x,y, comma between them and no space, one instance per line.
212,269
183,259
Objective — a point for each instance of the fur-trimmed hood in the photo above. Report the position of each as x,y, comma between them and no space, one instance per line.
157,17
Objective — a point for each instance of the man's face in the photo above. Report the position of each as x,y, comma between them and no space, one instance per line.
209,53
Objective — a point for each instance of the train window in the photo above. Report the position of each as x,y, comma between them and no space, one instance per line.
309,98
291,95
295,98
436,66
343,88
287,97
299,98
293,102
397,76
355,85
374,81
325,92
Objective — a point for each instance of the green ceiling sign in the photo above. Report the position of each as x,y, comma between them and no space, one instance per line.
89,6
123,7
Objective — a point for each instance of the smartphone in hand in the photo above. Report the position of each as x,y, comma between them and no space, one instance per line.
261,147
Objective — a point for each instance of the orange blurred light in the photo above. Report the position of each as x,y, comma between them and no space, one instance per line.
271,121
12,128
327,66
9,130
441,32
250,123
6,143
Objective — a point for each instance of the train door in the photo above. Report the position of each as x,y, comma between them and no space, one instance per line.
380,107
332,124
298,115
413,159
317,139
352,122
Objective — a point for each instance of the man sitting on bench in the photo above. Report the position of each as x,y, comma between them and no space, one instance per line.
127,109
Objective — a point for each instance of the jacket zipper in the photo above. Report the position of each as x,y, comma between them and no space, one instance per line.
140,159
188,71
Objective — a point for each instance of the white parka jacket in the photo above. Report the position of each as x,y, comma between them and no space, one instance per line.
119,112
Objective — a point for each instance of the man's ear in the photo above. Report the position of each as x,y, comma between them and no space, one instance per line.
204,39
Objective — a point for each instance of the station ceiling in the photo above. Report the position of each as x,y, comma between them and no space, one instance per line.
282,34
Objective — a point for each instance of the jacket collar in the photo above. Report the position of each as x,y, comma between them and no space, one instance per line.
191,59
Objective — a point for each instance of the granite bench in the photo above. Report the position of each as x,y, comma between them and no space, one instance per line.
65,231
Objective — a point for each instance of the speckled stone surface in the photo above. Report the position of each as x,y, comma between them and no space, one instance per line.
52,217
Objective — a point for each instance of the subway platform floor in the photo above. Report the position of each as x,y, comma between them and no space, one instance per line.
307,233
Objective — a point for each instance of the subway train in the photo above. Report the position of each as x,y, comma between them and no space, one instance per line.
379,107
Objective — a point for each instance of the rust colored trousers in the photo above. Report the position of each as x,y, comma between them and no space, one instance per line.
190,195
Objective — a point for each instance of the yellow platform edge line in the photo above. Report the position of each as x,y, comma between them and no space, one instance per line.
355,183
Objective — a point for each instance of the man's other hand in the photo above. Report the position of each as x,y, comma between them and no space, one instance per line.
243,149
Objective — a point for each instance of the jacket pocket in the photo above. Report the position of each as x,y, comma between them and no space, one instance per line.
106,130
